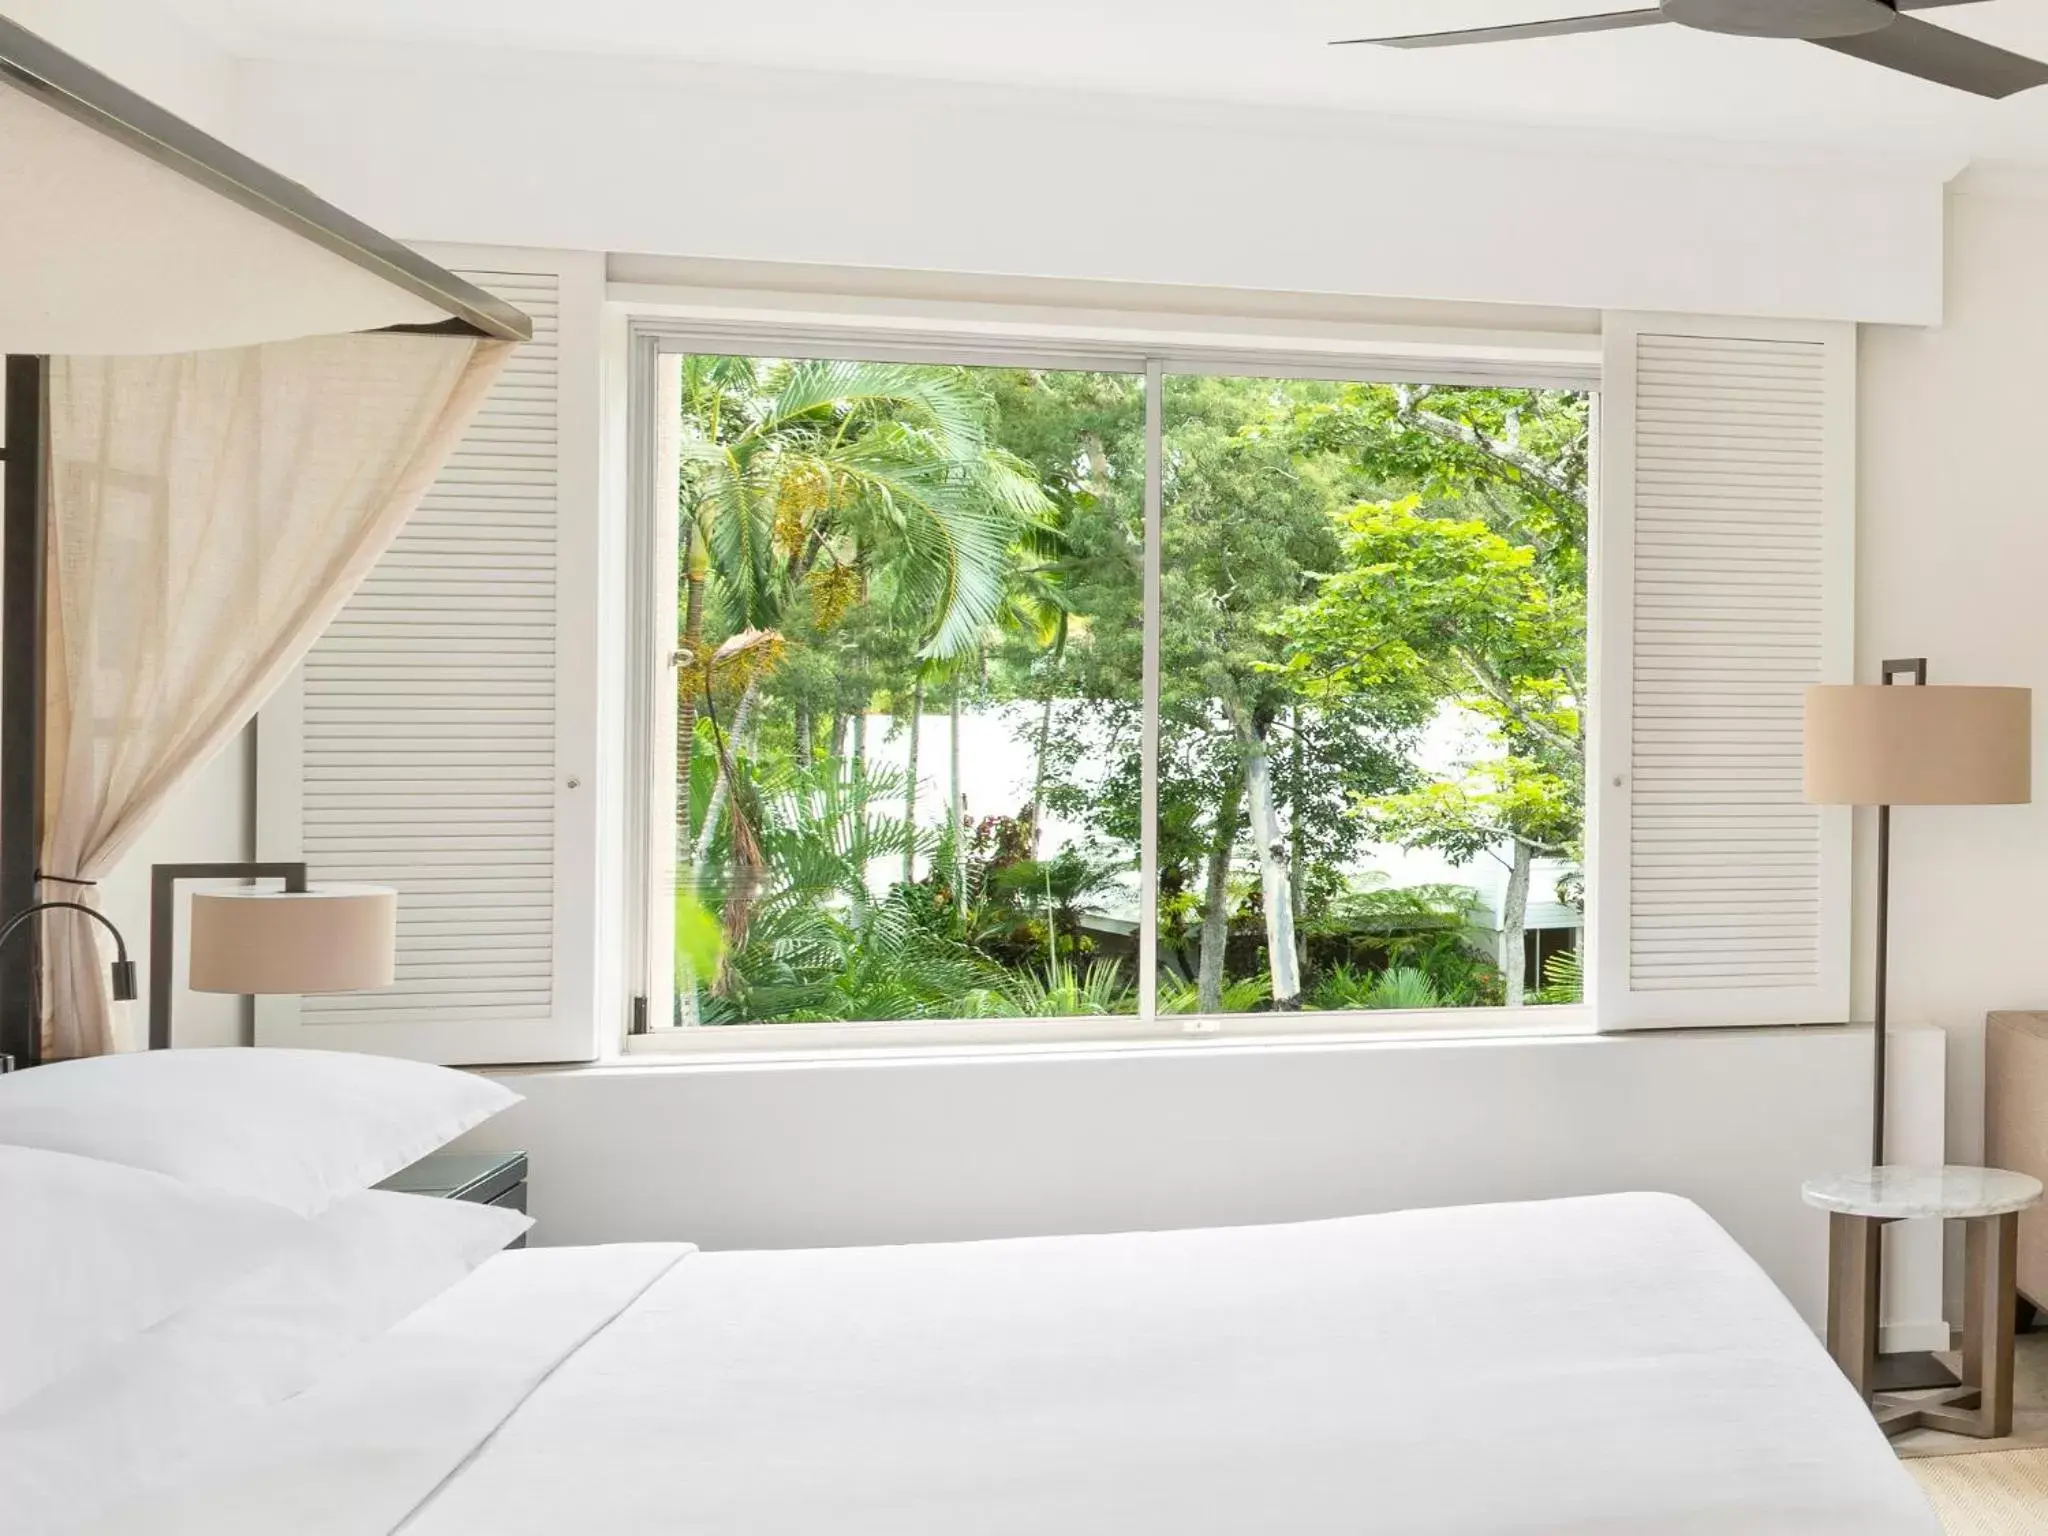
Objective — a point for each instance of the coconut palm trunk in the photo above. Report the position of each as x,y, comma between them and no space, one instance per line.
689,678
910,783
1043,746
721,791
1514,922
696,570
955,821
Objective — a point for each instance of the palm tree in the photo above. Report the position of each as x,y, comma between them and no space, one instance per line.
821,944
842,483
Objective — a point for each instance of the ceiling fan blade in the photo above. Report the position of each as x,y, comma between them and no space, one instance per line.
1945,57
1564,26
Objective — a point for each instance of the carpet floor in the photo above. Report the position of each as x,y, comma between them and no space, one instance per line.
2001,1493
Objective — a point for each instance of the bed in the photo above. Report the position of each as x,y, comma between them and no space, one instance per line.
1608,1364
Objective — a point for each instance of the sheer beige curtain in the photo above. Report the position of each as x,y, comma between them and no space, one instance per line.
210,513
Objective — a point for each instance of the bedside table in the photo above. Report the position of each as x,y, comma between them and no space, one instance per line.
1859,1205
484,1178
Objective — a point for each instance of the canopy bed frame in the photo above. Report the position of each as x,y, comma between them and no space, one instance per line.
347,264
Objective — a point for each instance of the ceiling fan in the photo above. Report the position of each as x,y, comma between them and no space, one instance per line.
1871,30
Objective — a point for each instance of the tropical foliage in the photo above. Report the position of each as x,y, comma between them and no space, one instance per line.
898,584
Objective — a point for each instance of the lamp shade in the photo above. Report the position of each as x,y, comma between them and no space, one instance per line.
337,938
1874,745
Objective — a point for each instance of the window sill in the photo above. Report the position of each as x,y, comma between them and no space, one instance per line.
654,1054
806,1043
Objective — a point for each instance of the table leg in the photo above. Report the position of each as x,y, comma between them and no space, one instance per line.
1984,1407
1852,1296
1990,1249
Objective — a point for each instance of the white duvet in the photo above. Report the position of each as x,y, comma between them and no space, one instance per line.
1589,1366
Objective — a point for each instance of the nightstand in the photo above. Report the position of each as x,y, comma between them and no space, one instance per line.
1859,1205
485,1178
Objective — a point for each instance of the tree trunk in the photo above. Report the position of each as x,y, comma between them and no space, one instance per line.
860,741
1274,883
1514,918
1038,777
910,783
956,820
841,725
696,568
689,679
806,749
1216,897
1296,768
721,790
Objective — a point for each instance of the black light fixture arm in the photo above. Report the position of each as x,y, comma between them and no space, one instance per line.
123,969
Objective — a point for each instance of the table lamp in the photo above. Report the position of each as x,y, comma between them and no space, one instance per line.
301,939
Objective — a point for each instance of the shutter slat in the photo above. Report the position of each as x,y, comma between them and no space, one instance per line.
429,717
1731,466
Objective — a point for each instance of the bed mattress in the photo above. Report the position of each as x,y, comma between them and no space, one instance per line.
1612,1364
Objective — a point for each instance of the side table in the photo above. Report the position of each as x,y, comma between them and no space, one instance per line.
1859,1206
483,1178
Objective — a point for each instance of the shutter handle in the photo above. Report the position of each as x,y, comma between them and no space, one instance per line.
574,783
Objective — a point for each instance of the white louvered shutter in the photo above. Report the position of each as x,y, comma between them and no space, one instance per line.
1723,588
428,741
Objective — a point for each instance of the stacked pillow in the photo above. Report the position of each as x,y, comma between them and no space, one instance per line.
187,1236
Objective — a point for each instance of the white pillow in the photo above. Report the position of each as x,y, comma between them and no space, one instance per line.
300,1129
92,1253
128,1420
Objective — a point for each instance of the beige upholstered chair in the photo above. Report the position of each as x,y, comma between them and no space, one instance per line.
2016,1127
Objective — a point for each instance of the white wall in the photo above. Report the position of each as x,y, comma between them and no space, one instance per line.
589,153
145,48
885,1152
1953,566
211,816
670,161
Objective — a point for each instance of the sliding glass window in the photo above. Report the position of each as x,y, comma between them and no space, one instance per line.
896,765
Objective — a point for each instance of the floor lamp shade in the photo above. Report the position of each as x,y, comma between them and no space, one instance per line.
1941,745
337,938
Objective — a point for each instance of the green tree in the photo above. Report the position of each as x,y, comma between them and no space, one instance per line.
1471,591
1249,525
810,488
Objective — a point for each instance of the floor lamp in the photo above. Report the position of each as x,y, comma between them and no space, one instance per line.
1884,745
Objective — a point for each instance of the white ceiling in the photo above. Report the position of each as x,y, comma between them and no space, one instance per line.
1263,50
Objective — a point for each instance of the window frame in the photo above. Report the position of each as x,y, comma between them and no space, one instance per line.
967,337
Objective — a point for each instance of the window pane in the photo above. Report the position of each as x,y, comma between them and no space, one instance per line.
1372,755
908,681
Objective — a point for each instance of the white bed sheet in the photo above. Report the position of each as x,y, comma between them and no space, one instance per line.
1613,1364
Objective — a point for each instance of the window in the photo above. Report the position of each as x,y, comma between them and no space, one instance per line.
1134,582
1372,744
900,765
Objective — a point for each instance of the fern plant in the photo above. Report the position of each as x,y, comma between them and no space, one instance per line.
1403,987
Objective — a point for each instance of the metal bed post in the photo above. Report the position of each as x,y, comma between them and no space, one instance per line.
26,509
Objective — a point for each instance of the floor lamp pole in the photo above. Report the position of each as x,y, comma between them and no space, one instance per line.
1878,1040
1890,673
1908,1370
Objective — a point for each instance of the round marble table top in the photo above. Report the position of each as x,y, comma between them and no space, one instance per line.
1896,1193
